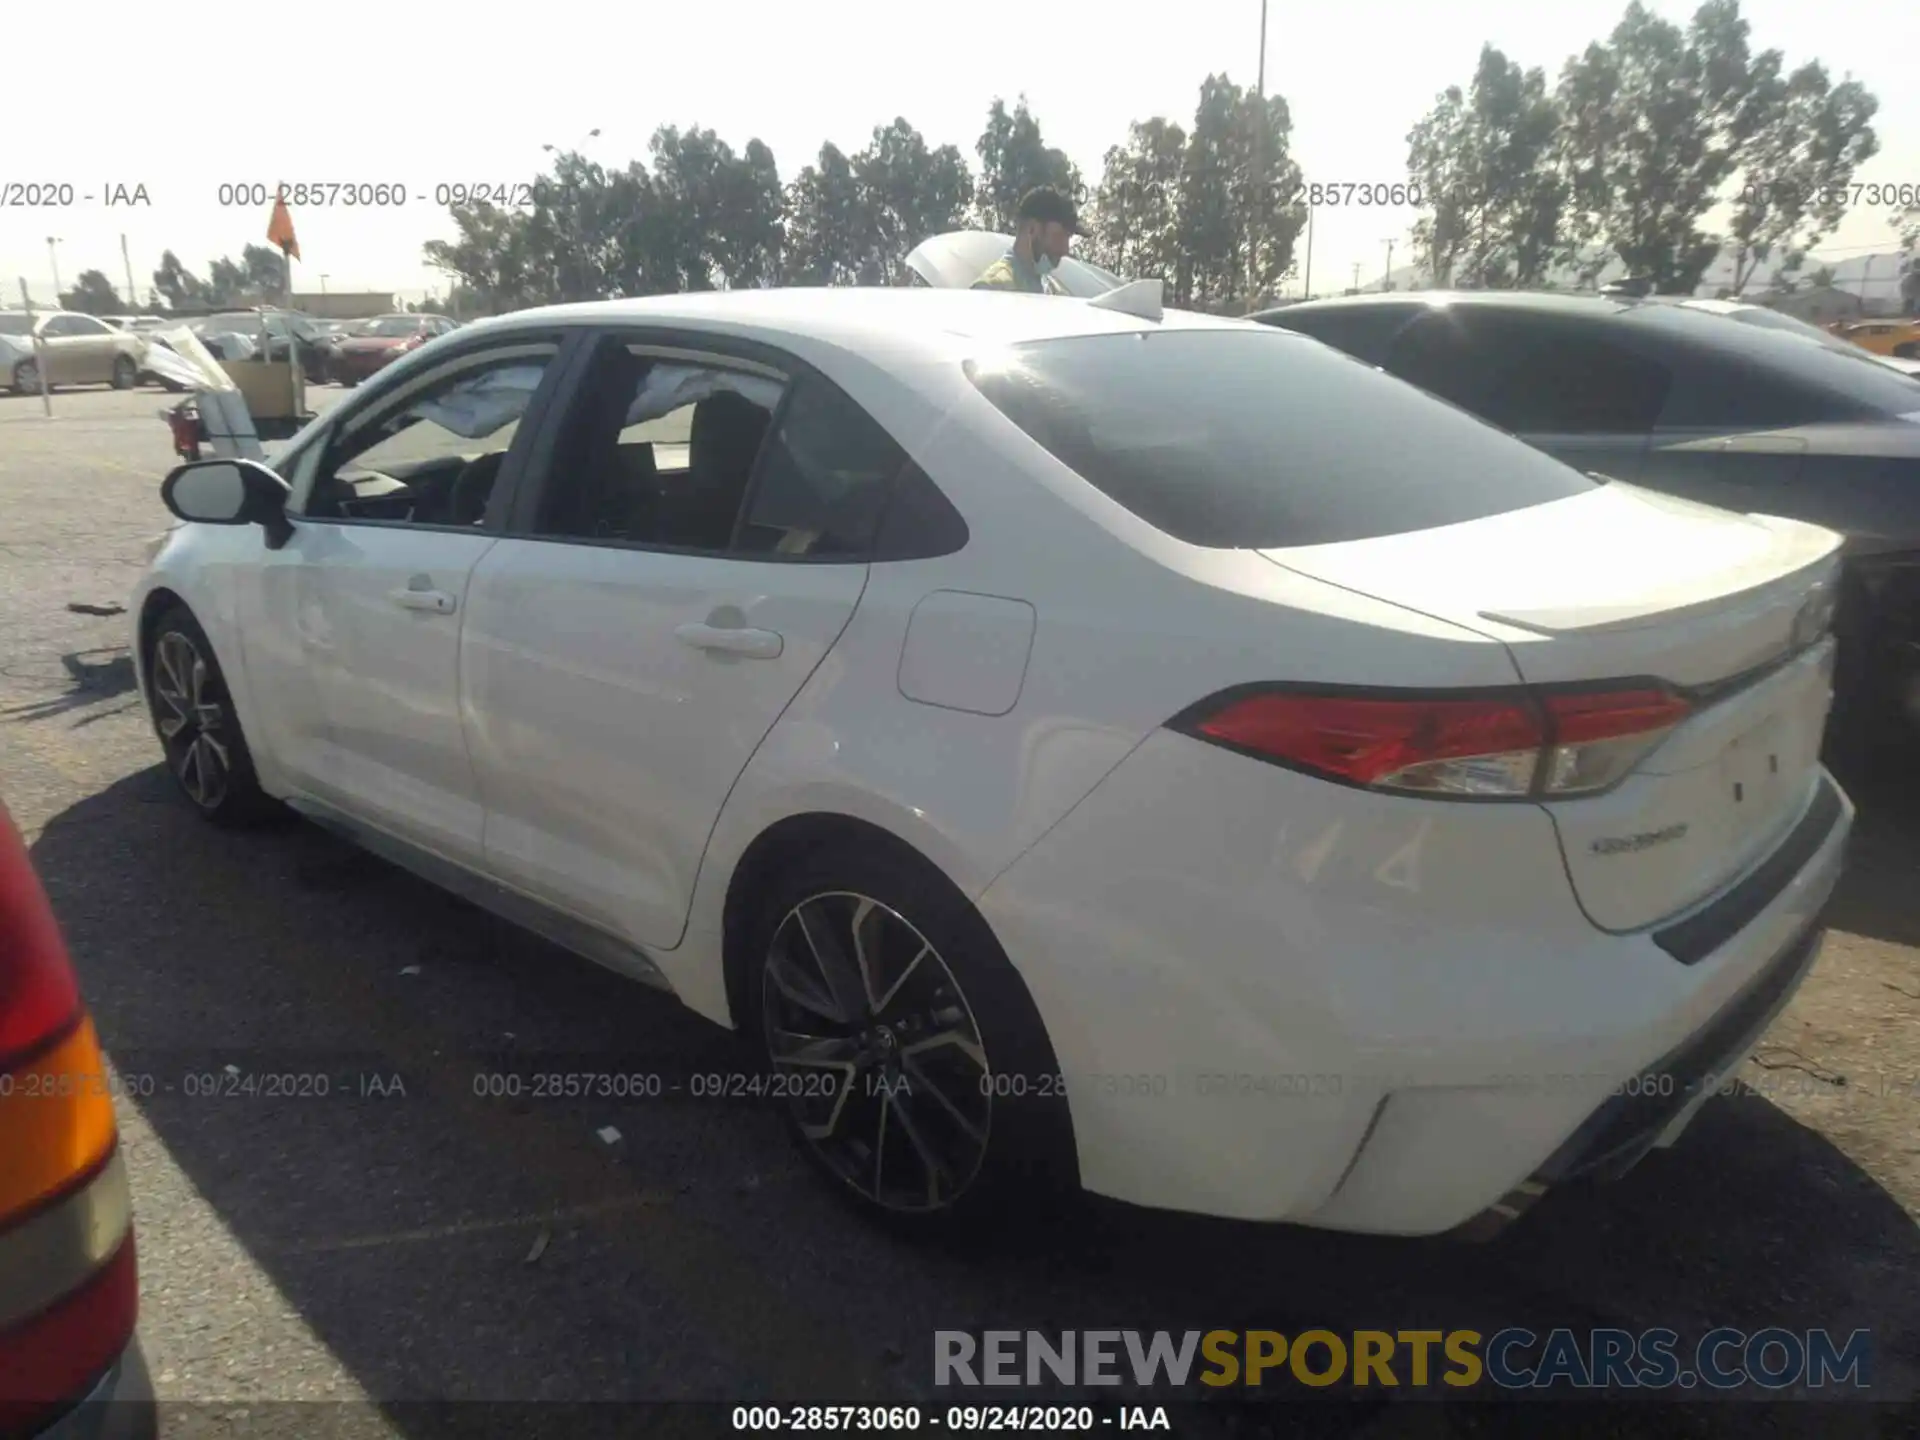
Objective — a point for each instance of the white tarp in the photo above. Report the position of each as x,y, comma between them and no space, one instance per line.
485,403
955,260
670,387
188,363
229,425
494,399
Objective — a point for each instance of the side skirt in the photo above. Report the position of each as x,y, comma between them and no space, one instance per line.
587,941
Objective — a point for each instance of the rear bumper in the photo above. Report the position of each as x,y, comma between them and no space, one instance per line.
1275,999
119,1407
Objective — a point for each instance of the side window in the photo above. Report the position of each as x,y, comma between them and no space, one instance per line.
824,480
657,450
63,327
1713,393
1535,376
1447,356
431,454
1365,332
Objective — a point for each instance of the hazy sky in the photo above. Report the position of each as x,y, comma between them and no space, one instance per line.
421,95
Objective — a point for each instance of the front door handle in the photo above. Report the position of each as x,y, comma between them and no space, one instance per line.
755,644
435,602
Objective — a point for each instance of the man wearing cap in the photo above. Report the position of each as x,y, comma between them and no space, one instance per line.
1043,227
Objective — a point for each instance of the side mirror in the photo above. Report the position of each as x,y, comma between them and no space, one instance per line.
229,492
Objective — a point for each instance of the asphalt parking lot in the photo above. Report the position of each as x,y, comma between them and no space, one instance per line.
423,1241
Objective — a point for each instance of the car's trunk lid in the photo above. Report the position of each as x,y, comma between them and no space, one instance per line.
1620,585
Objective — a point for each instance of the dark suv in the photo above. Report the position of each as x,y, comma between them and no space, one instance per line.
1689,402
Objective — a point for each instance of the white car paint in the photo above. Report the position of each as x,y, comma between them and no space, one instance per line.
1347,1007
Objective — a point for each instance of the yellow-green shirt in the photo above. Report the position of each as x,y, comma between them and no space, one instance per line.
1012,272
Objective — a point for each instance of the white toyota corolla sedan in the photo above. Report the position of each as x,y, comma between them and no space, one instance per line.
1080,745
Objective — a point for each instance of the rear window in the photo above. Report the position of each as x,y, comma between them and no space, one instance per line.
1364,331
1250,438
1763,378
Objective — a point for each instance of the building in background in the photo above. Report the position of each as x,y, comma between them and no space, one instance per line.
345,305
1818,304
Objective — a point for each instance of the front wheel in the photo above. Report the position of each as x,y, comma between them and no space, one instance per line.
1908,351
199,732
125,373
26,377
904,1049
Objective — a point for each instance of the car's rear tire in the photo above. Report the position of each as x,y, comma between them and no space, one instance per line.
125,373
206,751
923,1086
26,377
1908,351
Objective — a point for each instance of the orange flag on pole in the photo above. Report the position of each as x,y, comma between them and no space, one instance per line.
280,228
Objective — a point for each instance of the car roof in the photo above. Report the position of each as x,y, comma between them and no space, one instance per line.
934,321
1546,302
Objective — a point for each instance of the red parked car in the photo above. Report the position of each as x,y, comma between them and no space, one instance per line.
70,1364
374,343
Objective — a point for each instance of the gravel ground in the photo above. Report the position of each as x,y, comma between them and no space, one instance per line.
436,1244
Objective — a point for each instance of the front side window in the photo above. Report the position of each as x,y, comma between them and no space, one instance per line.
1250,437
431,456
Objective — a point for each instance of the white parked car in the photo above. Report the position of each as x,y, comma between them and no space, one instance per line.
1139,751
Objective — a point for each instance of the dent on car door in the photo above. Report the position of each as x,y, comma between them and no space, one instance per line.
368,597
668,595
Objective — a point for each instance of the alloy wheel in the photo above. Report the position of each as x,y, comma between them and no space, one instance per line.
877,1052
191,719
26,377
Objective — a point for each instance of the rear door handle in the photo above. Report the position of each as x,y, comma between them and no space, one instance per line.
436,602
755,644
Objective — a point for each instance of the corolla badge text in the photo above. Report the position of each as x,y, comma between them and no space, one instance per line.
1645,840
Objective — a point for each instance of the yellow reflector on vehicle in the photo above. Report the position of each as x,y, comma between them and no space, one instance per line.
56,1121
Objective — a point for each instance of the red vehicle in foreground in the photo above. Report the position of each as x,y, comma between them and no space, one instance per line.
70,1363
375,343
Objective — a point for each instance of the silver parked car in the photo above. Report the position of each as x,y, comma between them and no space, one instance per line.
79,350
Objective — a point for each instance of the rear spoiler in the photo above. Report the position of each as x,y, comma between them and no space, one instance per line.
1138,298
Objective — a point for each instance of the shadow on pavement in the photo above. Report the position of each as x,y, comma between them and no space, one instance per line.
693,1256
92,677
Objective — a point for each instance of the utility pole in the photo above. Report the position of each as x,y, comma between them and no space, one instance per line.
133,300
53,259
1356,277
1306,274
1259,162
1387,283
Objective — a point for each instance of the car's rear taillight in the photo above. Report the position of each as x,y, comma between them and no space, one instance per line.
50,1360
1510,744
1596,737
39,1000
67,1289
